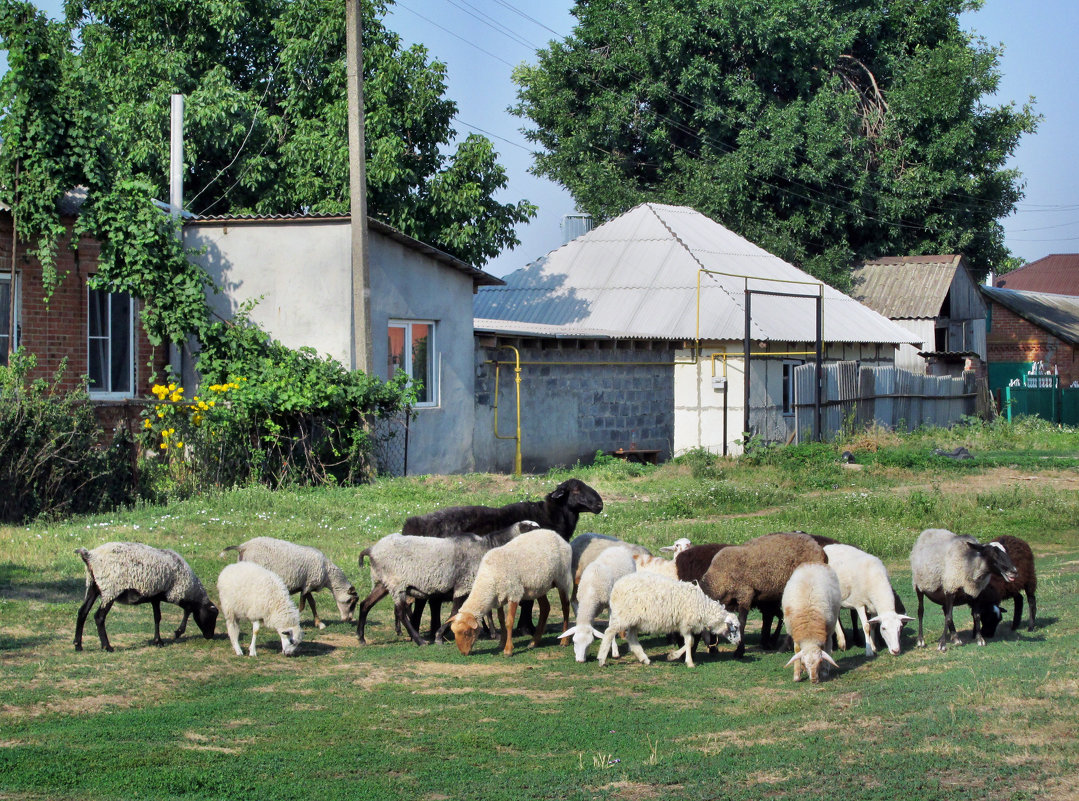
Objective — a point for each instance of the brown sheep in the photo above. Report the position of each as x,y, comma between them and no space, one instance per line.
1000,589
753,575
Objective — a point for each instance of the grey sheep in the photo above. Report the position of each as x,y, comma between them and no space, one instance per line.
525,568
133,573
952,569
427,568
652,603
753,575
249,591
304,569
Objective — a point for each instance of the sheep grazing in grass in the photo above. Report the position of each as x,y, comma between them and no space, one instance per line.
133,573
810,605
753,575
588,546
594,594
525,568
650,603
865,588
304,569
558,511
248,591
1000,589
427,568
952,569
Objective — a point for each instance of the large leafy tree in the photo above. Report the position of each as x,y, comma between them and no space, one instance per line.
267,115
826,131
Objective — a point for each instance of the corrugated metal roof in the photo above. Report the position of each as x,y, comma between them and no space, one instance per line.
637,275
1056,274
905,287
1058,314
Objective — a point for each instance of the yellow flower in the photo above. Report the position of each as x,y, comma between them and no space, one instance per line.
175,397
164,445
179,444
147,424
160,413
172,387
212,403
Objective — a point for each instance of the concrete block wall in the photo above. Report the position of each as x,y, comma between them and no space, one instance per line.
576,398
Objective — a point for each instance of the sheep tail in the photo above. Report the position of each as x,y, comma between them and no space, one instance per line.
363,553
229,548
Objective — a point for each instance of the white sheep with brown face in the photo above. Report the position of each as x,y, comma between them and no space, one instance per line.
526,568
810,603
248,591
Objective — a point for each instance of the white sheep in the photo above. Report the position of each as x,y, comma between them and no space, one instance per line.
525,568
248,591
303,569
651,603
810,606
679,545
951,568
586,547
133,573
594,595
656,564
864,586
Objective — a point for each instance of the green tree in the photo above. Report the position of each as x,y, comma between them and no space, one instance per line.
267,115
826,131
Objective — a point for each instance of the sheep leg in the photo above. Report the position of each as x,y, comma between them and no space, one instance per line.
402,610
606,644
976,634
525,625
635,646
377,594
254,634
502,626
870,646
233,627
921,611
1032,603
92,594
686,649
841,635
544,612
183,625
314,611
99,618
740,649
854,630
511,614
562,599
155,604
949,626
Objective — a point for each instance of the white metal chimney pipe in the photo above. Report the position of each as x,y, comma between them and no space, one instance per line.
176,157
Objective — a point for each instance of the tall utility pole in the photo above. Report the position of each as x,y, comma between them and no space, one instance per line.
362,357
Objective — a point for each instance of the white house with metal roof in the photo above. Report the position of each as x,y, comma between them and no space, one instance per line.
649,311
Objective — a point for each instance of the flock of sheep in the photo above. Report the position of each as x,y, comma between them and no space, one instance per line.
484,560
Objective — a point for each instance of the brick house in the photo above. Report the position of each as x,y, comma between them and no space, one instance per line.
1056,274
1026,327
99,333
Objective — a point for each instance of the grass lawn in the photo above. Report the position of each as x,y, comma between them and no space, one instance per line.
393,721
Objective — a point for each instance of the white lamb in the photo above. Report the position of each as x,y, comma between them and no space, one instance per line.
588,546
651,603
810,605
303,569
594,595
864,586
248,591
524,569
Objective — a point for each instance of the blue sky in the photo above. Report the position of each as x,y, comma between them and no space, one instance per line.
481,40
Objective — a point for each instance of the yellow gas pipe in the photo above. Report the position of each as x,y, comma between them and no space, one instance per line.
517,380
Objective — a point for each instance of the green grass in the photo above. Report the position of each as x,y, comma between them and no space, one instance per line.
392,721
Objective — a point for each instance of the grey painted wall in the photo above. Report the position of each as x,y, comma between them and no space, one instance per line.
301,270
576,399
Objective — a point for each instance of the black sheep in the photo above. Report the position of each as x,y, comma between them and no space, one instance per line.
1000,589
558,511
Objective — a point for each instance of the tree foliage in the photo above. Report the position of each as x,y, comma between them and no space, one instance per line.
824,131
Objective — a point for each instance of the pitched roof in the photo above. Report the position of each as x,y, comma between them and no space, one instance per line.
905,287
1056,274
1057,314
637,276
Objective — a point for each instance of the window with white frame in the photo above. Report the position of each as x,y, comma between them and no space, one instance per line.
412,349
110,340
788,386
7,287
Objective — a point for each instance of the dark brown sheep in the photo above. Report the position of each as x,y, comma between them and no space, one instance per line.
1000,589
558,511
753,575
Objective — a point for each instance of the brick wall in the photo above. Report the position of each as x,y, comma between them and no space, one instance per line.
1014,339
57,330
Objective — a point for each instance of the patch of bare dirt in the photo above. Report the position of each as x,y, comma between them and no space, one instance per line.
636,791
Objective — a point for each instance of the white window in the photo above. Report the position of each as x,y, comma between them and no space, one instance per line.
788,386
110,344
412,349
6,289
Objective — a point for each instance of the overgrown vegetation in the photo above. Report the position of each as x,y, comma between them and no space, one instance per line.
397,722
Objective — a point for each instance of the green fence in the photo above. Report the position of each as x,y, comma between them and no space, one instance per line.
1056,405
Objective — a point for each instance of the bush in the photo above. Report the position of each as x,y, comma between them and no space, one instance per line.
267,414
52,461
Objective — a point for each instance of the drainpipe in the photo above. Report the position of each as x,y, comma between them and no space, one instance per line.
176,201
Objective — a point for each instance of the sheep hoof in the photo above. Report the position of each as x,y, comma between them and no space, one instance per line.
321,625
109,648
78,646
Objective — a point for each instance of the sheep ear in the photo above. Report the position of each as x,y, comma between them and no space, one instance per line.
568,632
667,548
827,657
874,619
793,659
905,618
